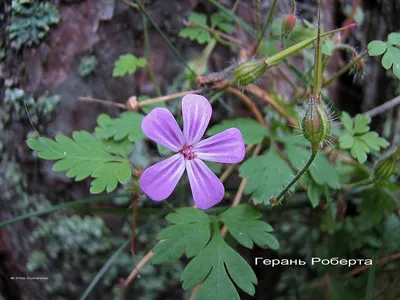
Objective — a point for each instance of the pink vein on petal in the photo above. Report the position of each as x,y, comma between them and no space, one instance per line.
161,126
196,112
159,180
224,147
206,187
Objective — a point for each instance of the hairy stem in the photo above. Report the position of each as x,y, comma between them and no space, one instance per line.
164,37
277,58
147,55
293,2
276,200
266,25
104,102
345,69
318,58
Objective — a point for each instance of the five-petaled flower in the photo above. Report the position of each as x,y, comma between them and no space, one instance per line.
159,180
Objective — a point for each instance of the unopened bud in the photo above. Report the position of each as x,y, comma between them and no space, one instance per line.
359,68
387,166
288,24
132,103
248,72
316,125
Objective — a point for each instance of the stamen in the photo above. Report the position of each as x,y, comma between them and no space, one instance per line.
188,152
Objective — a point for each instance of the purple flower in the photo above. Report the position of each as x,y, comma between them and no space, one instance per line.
159,180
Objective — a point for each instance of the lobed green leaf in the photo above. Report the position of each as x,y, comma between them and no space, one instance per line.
84,156
127,64
267,175
189,233
358,138
244,226
218,266
128,125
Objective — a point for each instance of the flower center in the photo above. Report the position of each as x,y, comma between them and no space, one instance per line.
188,152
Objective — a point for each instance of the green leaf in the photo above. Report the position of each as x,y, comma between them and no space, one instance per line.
359,150
396,70
244,226
390,51
148,108
267,175
190,233
194,33
361,123
267,48
328,47
219,266
376,201
223,22
346,141
81,157
123,147
252,131
128,125
108,175
376,48
314,193
347,121
127,64
358,138
394,39
324,173
373,141
391,57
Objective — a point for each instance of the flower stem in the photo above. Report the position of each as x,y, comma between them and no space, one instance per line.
101,101
147,55
318,71
365,181
267,23
345,69
164,37
275,59
293,6
276,200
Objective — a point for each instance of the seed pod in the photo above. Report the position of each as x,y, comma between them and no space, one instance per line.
248,72
387,166
316,125
288,24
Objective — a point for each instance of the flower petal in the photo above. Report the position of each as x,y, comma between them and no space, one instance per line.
224,147
207,189
160,126
196,112
159,180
